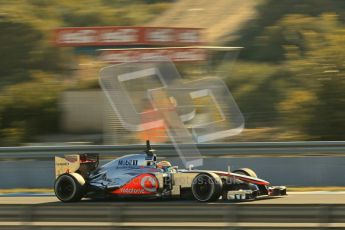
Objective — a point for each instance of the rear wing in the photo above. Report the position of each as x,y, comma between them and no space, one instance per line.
80,163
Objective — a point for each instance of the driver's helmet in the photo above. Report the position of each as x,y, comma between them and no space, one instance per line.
164,165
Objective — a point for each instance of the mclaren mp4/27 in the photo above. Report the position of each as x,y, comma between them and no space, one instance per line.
141,176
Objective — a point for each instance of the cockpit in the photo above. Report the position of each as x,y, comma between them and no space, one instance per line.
151,161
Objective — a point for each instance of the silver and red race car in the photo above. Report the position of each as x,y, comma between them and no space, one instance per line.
141,176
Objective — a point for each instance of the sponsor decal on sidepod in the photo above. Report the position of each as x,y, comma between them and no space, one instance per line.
142,184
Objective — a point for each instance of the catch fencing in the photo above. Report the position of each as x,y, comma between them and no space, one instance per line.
321,148
281,163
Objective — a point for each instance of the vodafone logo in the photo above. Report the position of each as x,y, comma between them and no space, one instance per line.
149,183
181,54
119,57
72,159
189,55
160,35
189,36
143,184
132,191
125,35
78,36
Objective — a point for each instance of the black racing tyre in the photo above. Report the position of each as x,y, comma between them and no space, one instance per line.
207,187
246,172
68,188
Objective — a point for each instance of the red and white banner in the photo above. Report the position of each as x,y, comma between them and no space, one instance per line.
181,54
119,35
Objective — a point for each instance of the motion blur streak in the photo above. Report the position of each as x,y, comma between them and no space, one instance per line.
155,215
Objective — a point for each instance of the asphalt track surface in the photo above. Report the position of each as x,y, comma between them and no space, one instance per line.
320,210
292,198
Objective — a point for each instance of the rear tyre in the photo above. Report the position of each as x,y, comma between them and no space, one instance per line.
246,172
207,187
69,187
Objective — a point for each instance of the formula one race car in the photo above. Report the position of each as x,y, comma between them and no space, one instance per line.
141,176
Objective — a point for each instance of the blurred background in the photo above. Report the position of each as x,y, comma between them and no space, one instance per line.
288,80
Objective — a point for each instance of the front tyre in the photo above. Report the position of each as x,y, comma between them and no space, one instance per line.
246,172
69,187
207,187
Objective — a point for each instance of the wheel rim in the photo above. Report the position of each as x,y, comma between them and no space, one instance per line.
203,187
65,188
